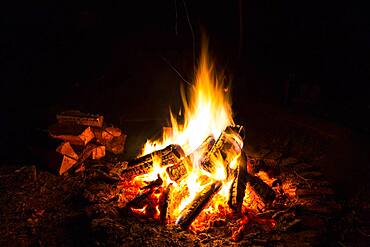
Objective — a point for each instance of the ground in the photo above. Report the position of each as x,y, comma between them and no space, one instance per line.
39,208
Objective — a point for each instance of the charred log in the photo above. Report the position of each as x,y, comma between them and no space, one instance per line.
261,189
178,171
237,189
172,154
164,204
190,212
229,142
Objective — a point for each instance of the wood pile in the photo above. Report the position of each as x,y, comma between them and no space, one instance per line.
83,136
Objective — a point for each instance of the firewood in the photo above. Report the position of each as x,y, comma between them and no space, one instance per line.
66,164
237,189
79,118
66,149
142,199
229,141
261,188
74,134
116,145
172,154
98,152
178,171
165,202
192,210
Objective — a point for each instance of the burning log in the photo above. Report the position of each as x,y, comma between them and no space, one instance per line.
178,171
192,210
79,118
237,189
261,188
165,202
142,199
172,154
228,142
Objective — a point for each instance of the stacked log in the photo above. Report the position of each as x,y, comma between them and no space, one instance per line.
84,136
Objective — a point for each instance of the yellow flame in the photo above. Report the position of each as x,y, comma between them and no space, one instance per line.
207,111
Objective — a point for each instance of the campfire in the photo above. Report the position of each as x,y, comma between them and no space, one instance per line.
198,174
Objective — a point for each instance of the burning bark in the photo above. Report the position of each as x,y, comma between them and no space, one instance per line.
228,143
190,212
179,170
164,204
237,189
172,154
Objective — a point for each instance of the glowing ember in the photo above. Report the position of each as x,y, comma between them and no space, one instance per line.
197,172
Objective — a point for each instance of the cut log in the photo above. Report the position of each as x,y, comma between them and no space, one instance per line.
98,152
237,189
66,149
74,134
117,144
172,154
178,171
66,164
79,118
192,210
261,189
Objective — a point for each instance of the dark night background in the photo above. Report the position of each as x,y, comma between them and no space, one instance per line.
308,58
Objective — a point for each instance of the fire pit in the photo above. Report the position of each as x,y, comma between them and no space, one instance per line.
200,178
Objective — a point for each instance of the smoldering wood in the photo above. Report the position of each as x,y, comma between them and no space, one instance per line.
156,183
165,202
261,188
141,199
238,187
191,211
172,154
80,118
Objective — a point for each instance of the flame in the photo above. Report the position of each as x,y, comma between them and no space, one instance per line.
207,111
